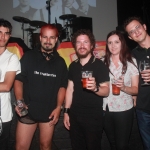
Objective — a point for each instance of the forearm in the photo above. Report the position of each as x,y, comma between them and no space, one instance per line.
61,97
130,90
68,99
18,89
103,91
6,85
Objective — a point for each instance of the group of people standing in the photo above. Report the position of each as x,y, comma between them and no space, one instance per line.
42,81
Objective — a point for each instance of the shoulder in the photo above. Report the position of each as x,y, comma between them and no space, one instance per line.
33,10
61,62
74,63
99,62
58,57
132,65
29,55
134,60
11,55
136,50
31,52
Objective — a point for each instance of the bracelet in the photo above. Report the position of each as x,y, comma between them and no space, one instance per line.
66,110
97,89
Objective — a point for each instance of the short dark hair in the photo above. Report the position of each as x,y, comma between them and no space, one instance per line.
5,23
84,32
130,19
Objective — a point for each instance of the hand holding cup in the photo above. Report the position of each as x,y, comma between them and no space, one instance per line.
91,84
21,108
145,74
117,85
144,68
86,75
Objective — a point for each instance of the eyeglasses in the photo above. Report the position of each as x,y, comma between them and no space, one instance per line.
137,28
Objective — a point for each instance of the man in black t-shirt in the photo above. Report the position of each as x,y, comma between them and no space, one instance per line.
137,31
83,114
41,85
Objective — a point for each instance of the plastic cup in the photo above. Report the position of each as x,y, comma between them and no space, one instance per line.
115,89
85,77
21,105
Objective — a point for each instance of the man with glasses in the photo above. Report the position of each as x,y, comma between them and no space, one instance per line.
41,85
9,67
137,31
83,113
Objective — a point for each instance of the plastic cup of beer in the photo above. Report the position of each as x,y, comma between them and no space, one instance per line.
115,89
85,77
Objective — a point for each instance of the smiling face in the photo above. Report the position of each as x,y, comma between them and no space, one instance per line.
136,31
83,46
83,5
114,44
24,2
4,36
48,39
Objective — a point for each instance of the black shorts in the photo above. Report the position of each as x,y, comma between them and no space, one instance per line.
26,119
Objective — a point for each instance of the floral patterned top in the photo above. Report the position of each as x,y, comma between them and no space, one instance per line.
123,101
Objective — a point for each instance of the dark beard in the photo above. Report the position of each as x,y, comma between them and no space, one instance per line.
83,56
46,49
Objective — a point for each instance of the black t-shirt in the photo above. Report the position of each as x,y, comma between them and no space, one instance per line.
41,82
85,101
143,97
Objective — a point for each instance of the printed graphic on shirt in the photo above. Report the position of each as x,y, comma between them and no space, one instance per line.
44,74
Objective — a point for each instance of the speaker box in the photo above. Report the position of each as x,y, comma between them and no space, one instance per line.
82,23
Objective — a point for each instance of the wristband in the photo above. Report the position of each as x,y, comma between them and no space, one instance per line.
97,89
66,110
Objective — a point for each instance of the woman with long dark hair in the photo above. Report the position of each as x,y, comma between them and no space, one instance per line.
118,109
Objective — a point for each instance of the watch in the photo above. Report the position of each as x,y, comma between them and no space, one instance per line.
97,89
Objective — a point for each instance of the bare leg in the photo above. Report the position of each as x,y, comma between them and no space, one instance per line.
24,135
46,134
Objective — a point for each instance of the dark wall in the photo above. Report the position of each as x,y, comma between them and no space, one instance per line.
125,9
140,8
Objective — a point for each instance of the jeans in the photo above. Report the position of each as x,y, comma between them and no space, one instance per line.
144,127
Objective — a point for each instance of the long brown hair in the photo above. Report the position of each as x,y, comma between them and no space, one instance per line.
124,55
